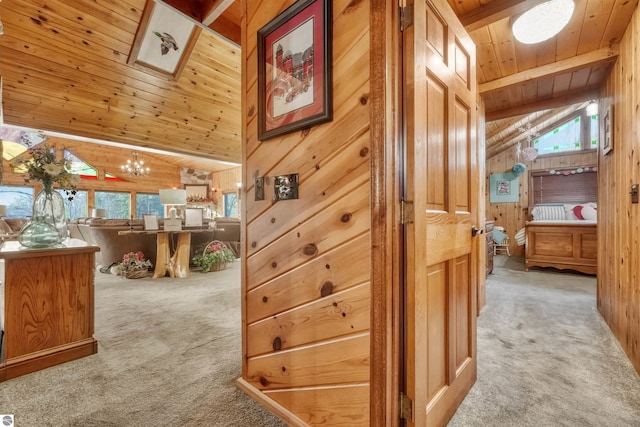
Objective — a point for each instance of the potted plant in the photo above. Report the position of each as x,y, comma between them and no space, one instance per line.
214,257
133,265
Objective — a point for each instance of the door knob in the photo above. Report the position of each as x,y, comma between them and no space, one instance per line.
475,231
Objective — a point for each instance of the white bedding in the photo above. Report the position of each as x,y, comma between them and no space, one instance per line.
565,221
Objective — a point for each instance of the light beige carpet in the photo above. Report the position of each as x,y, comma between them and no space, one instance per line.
169,353
546,356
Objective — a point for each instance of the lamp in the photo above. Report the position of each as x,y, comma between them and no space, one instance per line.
135,167
98,213
173,197
543,21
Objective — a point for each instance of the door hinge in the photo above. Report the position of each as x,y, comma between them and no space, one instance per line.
406,17
406,212
406,407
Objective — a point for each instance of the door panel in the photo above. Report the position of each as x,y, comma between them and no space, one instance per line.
441,255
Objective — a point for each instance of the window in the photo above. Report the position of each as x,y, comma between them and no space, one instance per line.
569,136
18,200
563,186
231,204
117,205
593,141
80,167
76,208
566,137
149,204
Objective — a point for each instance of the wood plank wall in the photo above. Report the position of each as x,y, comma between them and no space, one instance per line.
222,182
618,218
512,216
306,283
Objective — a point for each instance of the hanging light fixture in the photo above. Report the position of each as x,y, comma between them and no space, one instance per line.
528,152
135,167
592,109
542,22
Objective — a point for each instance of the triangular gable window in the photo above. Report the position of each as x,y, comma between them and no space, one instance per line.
79,166
111,177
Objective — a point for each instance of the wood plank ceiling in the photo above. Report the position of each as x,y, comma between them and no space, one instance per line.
64,67
521,83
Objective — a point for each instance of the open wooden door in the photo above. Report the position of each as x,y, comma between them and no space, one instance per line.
441,239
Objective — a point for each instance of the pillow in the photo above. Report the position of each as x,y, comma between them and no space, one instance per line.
586,211
589,213
569,213
548,212
521,237
499,236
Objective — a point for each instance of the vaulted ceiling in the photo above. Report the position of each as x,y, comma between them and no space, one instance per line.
65,68
542,83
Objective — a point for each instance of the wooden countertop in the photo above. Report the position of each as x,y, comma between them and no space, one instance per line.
12,249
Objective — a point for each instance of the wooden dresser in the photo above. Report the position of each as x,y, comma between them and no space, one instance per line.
488,230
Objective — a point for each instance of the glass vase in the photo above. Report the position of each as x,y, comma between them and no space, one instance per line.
48,208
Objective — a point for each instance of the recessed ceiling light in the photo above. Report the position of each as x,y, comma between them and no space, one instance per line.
542,22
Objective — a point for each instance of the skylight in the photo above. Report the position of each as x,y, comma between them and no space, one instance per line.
542,22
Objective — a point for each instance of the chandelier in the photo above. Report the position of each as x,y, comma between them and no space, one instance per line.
135,167
529,134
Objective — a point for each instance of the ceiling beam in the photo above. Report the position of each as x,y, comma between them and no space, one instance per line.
515,133
191,9
556,101
212,9
226,28
494,11
209,15
552,117
595,57
504,126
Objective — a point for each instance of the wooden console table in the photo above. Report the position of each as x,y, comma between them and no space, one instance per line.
47,306
176,265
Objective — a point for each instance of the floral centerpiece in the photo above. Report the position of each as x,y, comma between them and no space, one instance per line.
214,257
48,225
42,164
133,265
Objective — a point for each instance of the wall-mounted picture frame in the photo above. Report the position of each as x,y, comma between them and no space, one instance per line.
150,221
504,188
163,42
294,69
197,193
606,137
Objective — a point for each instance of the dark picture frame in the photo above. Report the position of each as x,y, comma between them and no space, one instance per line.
294,69
197,191
607,130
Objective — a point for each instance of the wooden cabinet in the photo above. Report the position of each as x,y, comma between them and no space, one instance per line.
488,227
48,306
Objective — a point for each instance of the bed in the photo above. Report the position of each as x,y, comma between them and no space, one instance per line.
565,244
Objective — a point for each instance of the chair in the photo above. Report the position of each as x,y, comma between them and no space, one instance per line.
501,240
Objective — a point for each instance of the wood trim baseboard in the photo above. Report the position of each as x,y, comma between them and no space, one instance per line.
18,366
272,406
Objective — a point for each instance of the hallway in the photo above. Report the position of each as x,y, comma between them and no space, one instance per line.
546,356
